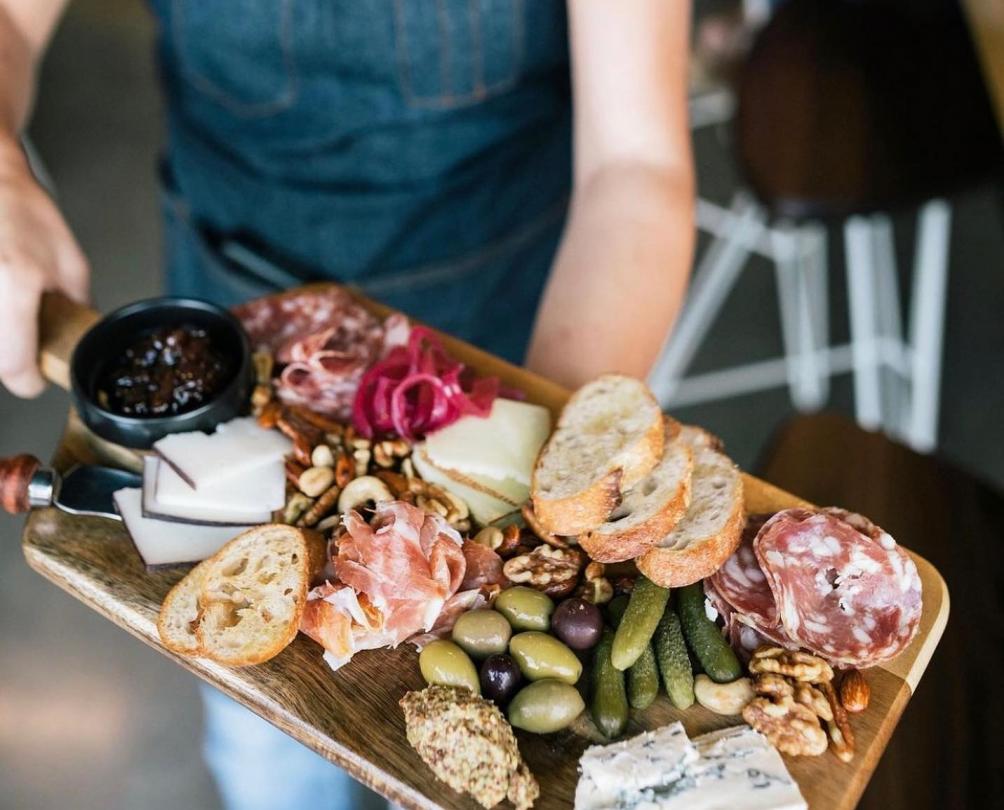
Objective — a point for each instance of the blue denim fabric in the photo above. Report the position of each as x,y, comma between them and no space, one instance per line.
419,149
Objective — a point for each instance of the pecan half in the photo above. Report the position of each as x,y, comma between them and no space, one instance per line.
838,727
555,571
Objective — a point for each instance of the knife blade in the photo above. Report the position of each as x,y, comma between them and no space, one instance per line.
85,489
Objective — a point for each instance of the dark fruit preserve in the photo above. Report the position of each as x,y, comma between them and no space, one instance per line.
162,373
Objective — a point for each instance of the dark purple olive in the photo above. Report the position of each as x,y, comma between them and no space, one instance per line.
578,623
500,678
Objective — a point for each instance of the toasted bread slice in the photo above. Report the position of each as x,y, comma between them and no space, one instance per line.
609,437
649,510
698,437
254,591
180,611
709,532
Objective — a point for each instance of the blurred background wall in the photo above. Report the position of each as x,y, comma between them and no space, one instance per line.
90,718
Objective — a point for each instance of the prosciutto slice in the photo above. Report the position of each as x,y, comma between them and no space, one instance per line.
844,589
393,579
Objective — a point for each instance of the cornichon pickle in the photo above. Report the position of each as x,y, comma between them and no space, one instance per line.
704,637
609,705
645,608
643,675
643,680
674,661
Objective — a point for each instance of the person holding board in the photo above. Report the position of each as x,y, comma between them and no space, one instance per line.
515,173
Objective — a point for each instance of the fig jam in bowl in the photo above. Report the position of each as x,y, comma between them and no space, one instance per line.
164,365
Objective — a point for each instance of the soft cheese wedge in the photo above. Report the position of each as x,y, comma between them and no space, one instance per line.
735,768
485,506
236,448
245,500
502,446
162,542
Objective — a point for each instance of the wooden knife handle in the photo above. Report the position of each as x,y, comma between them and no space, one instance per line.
15,474
61,324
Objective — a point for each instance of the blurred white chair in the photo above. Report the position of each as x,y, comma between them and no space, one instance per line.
896,380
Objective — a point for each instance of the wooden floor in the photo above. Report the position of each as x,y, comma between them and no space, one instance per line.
947,749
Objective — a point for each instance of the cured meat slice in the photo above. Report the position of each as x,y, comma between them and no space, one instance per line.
844,589
389,580
324,341
742,584
742,632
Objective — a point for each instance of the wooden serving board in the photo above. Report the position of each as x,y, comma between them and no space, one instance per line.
352,718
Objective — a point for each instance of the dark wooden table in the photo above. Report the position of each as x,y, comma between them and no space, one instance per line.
947,750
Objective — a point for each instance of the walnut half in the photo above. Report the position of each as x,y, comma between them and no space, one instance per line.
791,727
555,571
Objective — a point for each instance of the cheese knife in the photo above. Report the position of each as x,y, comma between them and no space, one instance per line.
26,484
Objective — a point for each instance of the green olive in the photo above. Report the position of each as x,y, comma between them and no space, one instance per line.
525,608
545,706
542,656
482,633
443,662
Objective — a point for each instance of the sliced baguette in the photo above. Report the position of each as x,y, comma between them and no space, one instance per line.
254,591
649,510
180,611
609,437
698,437
710,531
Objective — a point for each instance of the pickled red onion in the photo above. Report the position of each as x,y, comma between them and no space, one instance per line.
417,389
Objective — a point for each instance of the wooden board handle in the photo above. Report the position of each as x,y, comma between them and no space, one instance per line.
61,324
15,474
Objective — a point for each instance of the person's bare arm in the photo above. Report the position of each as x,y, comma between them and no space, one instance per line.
625,257
37,250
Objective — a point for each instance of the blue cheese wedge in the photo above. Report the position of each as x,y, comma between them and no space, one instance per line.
738,768
613,775
732,769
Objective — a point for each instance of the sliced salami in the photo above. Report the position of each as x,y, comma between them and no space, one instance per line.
742,633
324,341
843,588
742,583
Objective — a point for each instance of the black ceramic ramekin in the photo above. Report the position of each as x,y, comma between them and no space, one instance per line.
106,338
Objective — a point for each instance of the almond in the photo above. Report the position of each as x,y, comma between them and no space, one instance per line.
854,691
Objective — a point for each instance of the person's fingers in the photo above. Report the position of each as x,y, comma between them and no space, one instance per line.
74,271
18,361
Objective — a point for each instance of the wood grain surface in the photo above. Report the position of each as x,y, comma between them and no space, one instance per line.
352,718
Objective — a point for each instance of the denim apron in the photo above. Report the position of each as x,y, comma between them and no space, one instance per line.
418,149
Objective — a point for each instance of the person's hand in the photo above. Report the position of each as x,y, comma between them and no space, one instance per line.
37,254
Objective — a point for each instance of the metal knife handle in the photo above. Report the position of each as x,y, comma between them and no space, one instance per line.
24,484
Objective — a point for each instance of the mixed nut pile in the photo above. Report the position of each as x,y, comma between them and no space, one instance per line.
795,695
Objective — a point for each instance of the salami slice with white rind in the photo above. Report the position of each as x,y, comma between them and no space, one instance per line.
843,588
742,583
